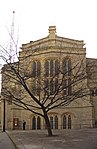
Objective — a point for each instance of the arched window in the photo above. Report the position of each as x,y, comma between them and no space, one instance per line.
64,122
34,123
38,123
51,122
56,122
69,122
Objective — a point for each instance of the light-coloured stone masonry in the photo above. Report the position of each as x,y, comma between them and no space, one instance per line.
53,47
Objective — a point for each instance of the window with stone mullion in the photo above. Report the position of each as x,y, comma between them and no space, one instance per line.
36,69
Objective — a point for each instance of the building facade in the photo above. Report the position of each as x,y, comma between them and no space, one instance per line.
41,59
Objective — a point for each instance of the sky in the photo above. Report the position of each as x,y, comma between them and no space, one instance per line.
75,19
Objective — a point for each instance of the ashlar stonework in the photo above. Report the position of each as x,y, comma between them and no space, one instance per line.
52,49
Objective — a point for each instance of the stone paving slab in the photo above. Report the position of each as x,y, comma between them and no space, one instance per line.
63,139
5,142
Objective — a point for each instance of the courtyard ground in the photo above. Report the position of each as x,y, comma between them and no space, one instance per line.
63,139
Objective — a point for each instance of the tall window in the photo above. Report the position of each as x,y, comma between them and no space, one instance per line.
56,122
36,87
69,122
64,86
51,68
51,122
56,84
64,122
36,73
69,86
34,123
38,122
96,92
51,74
69,68
56,67
67,72
64,67
47,68
36,69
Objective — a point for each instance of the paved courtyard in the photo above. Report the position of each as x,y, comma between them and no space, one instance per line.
63,139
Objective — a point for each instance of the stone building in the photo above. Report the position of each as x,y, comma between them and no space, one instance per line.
42,57
0,112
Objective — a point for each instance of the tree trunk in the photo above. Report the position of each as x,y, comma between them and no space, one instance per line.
48,127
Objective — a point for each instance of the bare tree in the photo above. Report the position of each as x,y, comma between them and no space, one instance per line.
57,87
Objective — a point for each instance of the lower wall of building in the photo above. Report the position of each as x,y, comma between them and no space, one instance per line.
64,118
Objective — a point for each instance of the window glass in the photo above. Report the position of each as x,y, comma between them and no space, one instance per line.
56,122
69,68
38,69
51,122
64,86
56,67
38,123
51,87
64,122
46,68
96,92
69,122
64,69
51,68
34,123
92,92
34,69
56,84
69,86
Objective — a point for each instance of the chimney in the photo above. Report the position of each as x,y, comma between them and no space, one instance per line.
52,32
